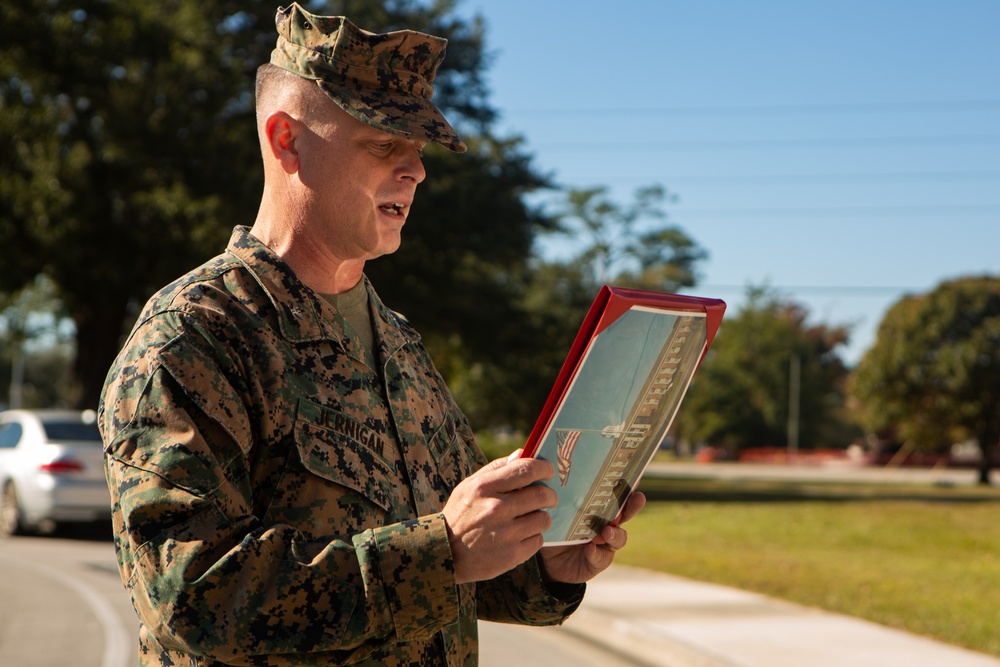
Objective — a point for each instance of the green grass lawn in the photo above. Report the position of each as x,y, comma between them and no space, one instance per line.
925,560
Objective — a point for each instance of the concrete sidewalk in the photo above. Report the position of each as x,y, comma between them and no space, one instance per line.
657,619
778,472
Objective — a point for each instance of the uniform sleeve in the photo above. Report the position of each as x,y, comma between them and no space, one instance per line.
205,575
521,596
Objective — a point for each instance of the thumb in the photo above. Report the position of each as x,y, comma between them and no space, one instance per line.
496,464
515,455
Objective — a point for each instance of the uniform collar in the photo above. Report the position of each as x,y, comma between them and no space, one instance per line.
300,309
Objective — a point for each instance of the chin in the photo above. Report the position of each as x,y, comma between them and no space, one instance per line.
385,248
390,244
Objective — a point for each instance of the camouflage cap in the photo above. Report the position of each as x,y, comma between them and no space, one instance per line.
383,80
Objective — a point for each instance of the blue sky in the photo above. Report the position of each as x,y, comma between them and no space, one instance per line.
843,153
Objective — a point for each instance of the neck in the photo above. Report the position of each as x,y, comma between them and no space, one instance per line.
313,263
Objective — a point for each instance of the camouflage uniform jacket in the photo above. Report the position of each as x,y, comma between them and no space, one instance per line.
276,501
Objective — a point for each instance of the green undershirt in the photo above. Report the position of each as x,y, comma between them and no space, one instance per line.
353,307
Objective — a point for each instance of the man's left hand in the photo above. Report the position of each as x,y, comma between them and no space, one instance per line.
578,563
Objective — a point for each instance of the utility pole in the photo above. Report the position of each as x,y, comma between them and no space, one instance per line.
794,391
17,381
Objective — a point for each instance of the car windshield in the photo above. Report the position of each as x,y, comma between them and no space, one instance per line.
72,431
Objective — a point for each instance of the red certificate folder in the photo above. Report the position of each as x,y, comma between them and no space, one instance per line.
614,400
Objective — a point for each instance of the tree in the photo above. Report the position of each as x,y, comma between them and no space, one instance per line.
120,129
934,371
627,245
129,149
621,244
740,396
34,348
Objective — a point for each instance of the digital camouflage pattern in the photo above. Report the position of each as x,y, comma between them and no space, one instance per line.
276,501
383,80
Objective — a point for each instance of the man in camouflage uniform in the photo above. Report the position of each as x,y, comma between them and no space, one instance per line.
292,481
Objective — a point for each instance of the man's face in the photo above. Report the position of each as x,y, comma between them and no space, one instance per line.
360,183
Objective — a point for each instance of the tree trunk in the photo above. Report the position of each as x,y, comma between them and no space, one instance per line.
988,435
98,339
986,465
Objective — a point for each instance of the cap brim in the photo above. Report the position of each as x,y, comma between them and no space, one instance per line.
403,115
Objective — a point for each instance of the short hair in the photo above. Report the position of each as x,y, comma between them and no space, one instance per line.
275,85
269,79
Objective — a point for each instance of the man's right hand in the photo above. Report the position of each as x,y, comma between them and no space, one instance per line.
496,517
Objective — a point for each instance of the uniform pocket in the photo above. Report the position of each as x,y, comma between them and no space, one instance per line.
340,449
444,440
455,458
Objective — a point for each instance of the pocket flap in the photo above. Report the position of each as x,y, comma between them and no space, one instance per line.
341,449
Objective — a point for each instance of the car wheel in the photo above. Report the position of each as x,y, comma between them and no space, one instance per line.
11,521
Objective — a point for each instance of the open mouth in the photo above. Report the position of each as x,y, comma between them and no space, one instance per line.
394,209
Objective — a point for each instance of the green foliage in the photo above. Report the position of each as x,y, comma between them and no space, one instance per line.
740,396
128,140
123,126
624,245
29,315
615,244
497,444
934,371
45,377
129,147
35,348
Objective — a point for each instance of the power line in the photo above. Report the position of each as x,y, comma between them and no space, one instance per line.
772,109
860,177
830,290
758,144
840,211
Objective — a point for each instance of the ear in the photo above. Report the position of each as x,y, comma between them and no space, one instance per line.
281,132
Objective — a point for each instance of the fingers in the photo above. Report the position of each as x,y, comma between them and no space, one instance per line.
532,523
505,475
496,516
580,563
632,507
501,462
614,538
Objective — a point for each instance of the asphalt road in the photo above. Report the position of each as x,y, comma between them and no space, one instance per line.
62,603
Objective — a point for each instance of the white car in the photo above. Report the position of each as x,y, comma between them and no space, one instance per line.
51,470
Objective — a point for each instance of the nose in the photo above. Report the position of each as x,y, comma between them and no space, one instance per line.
411,166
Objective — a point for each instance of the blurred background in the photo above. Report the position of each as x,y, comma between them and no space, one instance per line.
831,172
